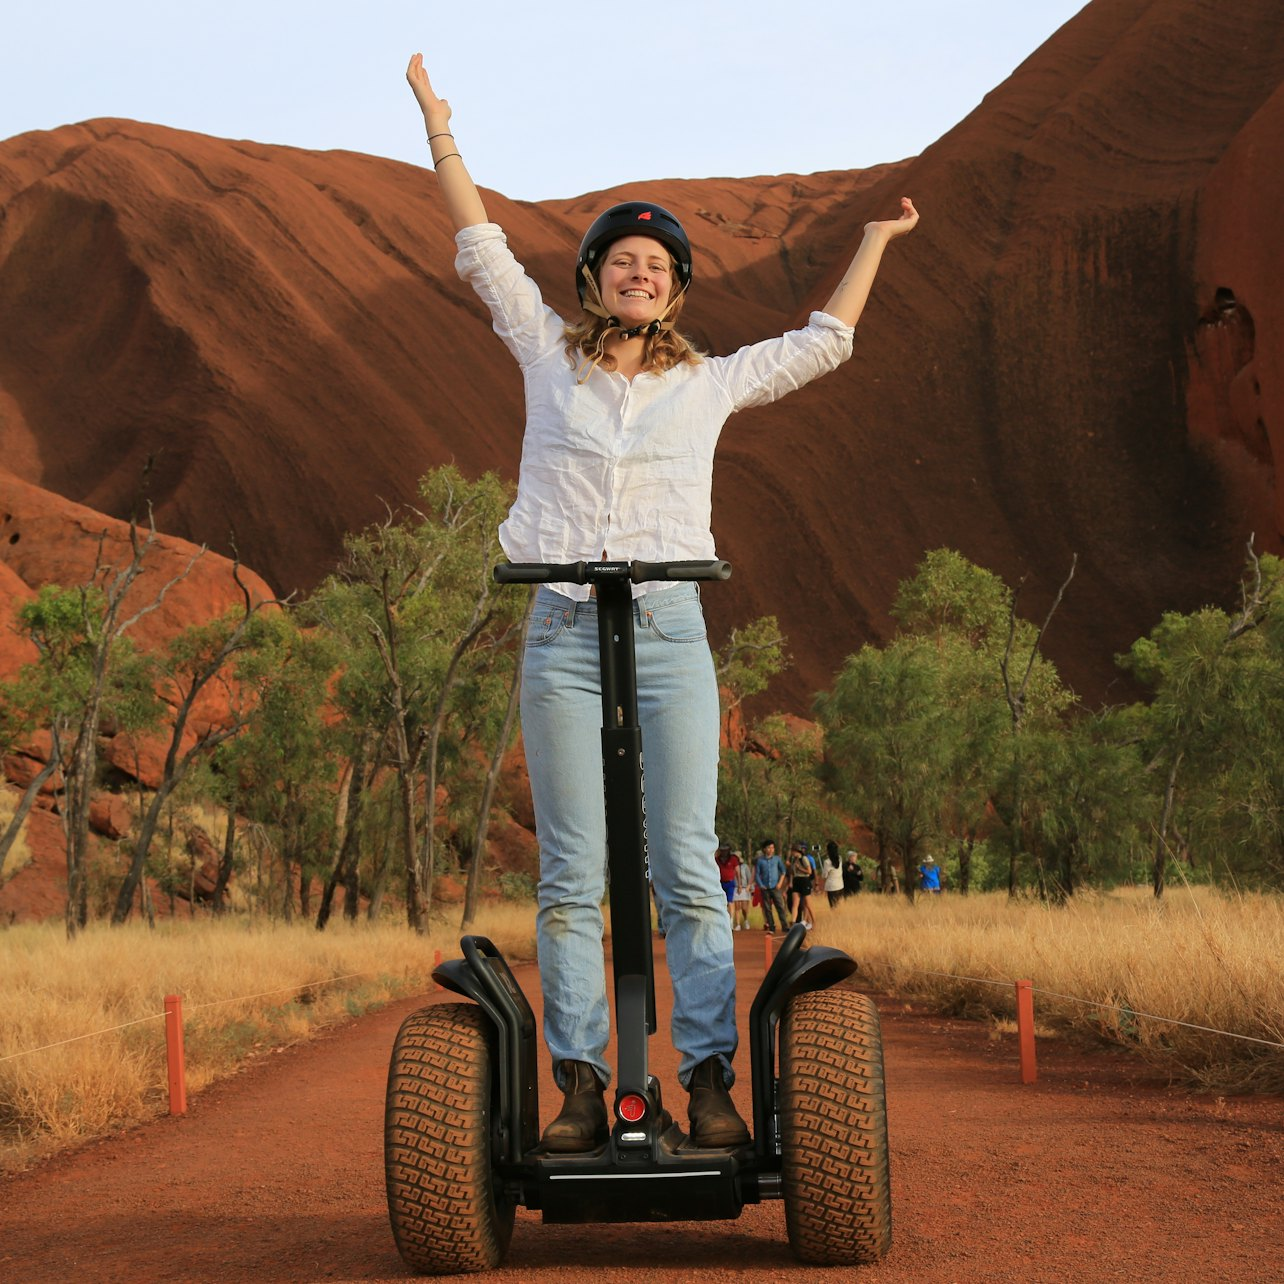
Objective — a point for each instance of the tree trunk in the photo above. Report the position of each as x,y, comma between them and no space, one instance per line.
354,796
908,870
492,777
169,859
380,885
145,902
229,855
146,831
1160,864
383,866
1015,834
886,882
410,854
24,806
440,713
965,862
1068,864
352,887
79,782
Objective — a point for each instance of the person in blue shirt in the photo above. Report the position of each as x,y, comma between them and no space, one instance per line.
769,874
929,873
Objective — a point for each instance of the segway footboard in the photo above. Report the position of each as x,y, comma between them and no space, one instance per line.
670,1187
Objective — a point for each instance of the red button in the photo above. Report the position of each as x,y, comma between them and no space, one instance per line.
631,1108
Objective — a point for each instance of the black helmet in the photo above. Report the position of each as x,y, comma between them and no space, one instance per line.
633,218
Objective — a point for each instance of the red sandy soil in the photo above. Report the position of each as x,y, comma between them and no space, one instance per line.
1091,1174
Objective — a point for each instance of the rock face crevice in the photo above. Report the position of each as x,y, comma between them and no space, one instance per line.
1080,351
1228,395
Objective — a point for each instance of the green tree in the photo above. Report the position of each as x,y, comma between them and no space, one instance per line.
417,611
193,663
926,737
888,744
1035,696
1089,798
745,666
87,671
1210,732
280,769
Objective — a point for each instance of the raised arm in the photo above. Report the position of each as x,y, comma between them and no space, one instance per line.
848,301
463,201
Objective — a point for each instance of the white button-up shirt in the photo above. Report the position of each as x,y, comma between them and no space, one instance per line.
615,466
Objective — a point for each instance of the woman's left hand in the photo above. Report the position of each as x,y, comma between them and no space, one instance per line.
891,227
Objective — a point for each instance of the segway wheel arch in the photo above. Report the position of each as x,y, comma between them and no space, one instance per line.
833,1120
438,1152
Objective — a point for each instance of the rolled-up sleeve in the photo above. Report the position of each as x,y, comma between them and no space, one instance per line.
520,317
763,372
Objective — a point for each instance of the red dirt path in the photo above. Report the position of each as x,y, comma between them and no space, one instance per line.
275,1175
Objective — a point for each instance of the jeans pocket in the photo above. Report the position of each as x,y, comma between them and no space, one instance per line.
678,622
545,625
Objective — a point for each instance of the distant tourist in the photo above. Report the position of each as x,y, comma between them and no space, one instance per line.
728,862
929,875
853,874
744,895
833,876
769,873
803,875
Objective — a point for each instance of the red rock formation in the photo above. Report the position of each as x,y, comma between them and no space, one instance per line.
46,539
283,332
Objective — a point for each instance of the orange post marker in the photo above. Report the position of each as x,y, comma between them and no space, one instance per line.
177,1069
1025,1031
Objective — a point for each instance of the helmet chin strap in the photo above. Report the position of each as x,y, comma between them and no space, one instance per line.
649,328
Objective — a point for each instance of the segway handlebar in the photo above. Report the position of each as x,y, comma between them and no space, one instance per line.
599,572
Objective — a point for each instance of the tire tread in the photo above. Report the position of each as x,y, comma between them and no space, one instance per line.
437,1145
836,1171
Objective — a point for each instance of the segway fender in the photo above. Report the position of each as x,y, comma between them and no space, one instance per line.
484,976
793,971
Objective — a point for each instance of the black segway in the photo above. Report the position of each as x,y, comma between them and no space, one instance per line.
461,1133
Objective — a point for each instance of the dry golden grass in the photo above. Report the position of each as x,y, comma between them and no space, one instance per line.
301,979
1199,956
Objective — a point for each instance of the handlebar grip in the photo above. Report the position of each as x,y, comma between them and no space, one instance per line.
540,573
717,569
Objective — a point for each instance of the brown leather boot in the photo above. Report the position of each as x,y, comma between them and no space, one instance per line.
714,1121
581,1125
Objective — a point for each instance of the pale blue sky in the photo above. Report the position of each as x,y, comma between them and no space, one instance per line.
550,99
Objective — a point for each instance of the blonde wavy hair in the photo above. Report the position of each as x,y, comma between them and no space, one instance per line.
586,340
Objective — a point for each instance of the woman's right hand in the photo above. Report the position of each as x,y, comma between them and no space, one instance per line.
436,110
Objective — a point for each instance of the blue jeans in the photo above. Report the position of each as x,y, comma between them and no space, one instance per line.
561,727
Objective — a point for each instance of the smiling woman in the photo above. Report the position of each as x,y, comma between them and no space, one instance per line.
623,417
636,278
640,254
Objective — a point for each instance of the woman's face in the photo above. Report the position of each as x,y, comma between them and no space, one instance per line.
635,279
